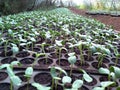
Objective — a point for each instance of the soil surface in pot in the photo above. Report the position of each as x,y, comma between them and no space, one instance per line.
6,53
27,61
22,54
45,61
30,87
21,76
95,65
35,49
63,62
43,78
83,65
8,60
4,86
3,76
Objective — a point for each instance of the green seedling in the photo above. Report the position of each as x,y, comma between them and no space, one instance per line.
113,72
86,76
117,54
72,60
58,44
15,49
37,55
32,41
77,84
55,77
14,80
28,75
104,85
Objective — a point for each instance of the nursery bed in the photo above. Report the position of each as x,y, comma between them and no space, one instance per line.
58,38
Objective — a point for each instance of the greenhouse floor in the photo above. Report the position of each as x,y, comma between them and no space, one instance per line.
108,20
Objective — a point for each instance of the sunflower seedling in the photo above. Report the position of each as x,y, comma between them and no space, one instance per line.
28,74
72,60
14,80
55,76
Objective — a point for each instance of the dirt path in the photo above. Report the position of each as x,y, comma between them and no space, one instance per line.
108,20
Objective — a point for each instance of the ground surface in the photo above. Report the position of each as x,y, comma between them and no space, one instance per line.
108,20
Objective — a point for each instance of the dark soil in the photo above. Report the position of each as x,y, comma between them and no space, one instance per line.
35,49
95,65
8,60
3,76
25,87
88,58
83,65
108,20
43,78
21,76
63,62
91,83
45,61
22,54
6,53
58,88
54,55
4,86
27,61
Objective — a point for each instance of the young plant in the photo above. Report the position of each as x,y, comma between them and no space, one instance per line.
72,60
54,75
76,84
32,41
101,52
15,49
28,74
80,46
58,44
40,87
11,34
43,50
117,54
14,80
37,55
113,72
86,76
104,85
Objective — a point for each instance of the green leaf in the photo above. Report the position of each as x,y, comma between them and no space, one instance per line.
40,87
47,34
98,88
33,39
53,72
116,70
118,88
61,70
16,80
107,51
104,71
15,63
72,59
59,43
106,83
93,49
66,79
71,54
10,72
10,31
77,84
29,72
113,75
15,49
4,66
87,78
